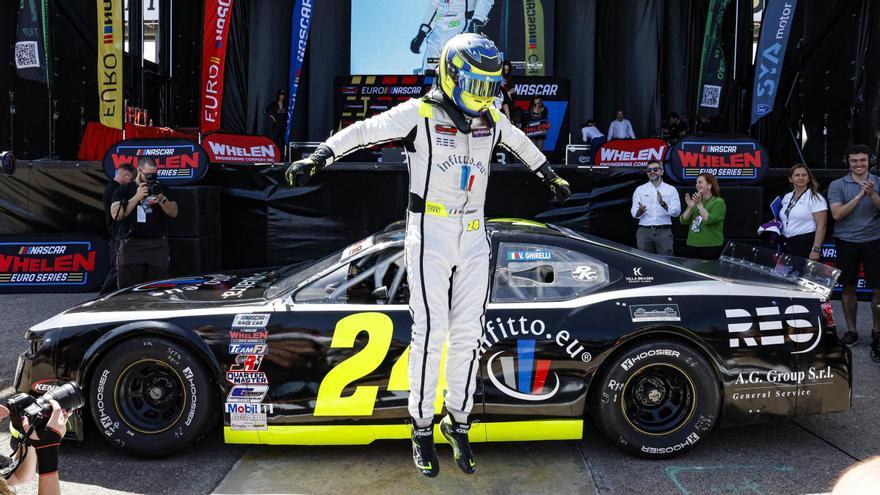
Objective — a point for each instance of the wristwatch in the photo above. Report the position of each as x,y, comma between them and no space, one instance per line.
817,249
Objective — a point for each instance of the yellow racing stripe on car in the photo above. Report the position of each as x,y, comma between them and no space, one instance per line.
560,429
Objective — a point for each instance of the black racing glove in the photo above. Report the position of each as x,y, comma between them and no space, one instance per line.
476,26
558,186
47,449
415,45
300,172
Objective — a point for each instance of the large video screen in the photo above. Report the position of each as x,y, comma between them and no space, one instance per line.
405,36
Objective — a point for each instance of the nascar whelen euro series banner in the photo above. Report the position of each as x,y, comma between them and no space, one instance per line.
728,159
218,17
52,263
180,161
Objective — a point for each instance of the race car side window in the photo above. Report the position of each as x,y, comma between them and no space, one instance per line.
537,272
375,278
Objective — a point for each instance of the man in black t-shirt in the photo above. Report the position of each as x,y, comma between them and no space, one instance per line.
675,128
124,175
143,251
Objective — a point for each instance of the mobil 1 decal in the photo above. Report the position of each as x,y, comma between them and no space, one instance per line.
516,368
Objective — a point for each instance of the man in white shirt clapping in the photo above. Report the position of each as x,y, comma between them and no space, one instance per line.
654,204
620,128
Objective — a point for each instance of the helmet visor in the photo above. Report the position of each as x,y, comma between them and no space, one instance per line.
479,85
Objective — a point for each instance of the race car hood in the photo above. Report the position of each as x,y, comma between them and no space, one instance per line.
214,293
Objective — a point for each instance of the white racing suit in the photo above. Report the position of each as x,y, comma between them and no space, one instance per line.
448,174
448,18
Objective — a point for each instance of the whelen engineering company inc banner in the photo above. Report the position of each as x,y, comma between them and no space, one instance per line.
732,159
52,263
236,148
631,153
180,161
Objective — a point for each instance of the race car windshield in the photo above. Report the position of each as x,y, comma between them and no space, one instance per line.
479,85
293,279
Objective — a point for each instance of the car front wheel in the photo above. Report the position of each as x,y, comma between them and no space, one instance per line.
656,400
151,396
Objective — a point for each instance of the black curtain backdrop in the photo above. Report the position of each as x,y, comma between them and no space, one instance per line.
257,61
329,43
628,63
576,58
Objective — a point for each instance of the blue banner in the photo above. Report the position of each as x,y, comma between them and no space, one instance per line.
775,28
299,39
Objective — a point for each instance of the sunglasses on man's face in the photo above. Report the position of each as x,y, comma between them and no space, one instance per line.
653,169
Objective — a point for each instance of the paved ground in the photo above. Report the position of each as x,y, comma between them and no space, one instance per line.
800,456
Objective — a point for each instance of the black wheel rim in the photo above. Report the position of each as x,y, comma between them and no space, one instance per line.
658,399
150,396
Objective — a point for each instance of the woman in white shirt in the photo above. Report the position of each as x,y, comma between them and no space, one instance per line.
804,215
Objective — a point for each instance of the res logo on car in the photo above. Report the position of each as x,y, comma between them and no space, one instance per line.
773,327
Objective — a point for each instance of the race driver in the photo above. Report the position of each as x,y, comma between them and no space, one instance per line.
445,19
449,135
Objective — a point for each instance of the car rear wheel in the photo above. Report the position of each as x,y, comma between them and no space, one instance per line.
657,399
151,397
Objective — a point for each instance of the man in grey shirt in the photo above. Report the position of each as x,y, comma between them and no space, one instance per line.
855,206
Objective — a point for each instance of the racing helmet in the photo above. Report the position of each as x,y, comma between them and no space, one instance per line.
470,72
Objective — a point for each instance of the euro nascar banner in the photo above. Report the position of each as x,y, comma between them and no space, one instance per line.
180,161
31,41
533,13
631,153
235,148
713,66
299,40
775,29
728,159
53,263
110,63
218,17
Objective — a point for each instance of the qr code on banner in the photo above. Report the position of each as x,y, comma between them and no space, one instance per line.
711,96
26,55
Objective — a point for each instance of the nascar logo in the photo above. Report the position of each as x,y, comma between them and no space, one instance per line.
524,377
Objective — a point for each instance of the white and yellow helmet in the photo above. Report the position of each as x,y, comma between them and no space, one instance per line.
470,72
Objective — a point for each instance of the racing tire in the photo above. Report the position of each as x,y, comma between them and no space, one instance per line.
656,400
151,397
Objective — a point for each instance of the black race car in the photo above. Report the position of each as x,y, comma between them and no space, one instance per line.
658,350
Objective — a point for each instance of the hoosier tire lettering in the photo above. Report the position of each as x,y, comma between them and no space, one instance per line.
656,400
151,396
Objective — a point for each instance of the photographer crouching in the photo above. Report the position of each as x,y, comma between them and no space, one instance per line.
41,424
144,209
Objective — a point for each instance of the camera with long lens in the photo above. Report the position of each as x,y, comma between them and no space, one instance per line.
37,410
153,186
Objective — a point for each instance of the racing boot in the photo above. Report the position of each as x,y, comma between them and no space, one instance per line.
457,436
423,451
